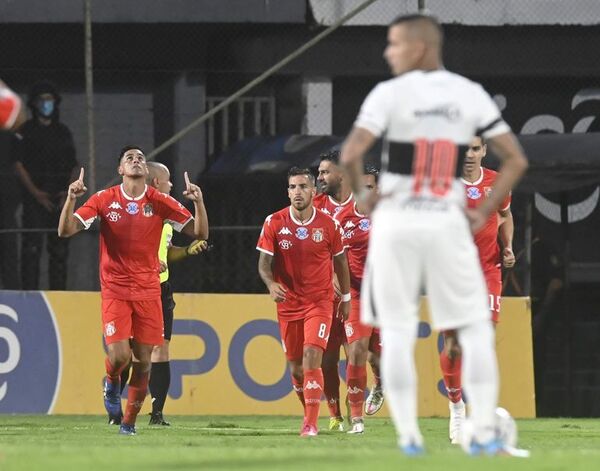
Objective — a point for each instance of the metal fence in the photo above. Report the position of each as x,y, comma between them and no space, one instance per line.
129,73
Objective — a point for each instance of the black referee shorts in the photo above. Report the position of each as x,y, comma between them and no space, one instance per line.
168,305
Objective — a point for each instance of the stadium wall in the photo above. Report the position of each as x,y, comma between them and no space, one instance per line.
226,357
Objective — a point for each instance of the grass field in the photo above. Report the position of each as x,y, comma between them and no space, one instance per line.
272,443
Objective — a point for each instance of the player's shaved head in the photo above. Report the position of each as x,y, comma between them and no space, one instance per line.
422,27
156,170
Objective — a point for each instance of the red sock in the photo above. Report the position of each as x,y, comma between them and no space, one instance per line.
138,387
357,382
297,385
113,375
332,390
313,388
376,375
451,370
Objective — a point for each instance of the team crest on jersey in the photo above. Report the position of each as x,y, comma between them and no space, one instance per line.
364,224
487,190
285,244
317,235
113,216
132,208
147,210
337,210
349,329
302,233
473,193
109,329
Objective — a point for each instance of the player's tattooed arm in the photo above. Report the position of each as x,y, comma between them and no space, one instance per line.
265,270
342,272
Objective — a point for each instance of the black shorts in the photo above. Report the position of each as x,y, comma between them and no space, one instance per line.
168,304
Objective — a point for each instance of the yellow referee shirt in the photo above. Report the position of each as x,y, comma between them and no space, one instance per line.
165,243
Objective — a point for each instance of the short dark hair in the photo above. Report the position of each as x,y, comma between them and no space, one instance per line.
414,17
482,139
331,155
372,170
292,172
129,147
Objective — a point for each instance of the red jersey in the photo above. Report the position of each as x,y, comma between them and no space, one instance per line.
303,257
487,237
130,232
10,105
356,229
331,207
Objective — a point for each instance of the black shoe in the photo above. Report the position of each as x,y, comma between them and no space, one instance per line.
156,418
115,419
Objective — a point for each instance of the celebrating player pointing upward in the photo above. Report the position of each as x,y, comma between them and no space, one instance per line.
427,116
132,216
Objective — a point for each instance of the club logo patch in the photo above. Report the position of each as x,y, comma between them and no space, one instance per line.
349,329
302,233
113,216
132,208
147,210
364,225
285,244
109,329
487,191
317,235
473,193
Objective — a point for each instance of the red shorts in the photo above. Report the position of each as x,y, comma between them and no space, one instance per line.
375,342
493,280
313,330
337,336
140,320
355,330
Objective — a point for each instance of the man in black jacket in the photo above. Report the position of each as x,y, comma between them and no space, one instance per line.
45,164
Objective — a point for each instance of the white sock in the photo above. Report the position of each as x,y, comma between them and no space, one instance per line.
480,377
399,379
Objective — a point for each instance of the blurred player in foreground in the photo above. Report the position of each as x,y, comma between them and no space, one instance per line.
12,114
427,117
300,249
132,216
356,227
336,201
478,182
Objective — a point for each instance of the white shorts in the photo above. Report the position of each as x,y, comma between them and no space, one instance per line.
410,249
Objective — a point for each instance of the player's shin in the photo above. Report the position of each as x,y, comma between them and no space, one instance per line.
313,388
298,385
480,377
357,383
138,387
451,370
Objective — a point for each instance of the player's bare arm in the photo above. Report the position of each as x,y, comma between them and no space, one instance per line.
68,224
514,164
506,232
342,272
199,228
358,142
265,270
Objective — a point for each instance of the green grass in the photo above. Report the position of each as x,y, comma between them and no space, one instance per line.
265,443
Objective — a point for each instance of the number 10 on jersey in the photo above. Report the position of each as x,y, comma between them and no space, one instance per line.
434,164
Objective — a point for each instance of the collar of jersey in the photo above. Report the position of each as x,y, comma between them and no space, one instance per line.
127,197
357,212
476,182
298,223
334,202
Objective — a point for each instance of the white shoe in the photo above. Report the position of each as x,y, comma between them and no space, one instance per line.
457,418
374,400
358,426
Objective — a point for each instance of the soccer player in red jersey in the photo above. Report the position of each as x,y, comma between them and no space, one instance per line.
132,216
300,249
478,182
357,226
335,200
12,114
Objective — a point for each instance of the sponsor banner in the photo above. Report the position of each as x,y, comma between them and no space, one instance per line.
226,357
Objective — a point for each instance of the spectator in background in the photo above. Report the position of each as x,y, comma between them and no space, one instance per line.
45,164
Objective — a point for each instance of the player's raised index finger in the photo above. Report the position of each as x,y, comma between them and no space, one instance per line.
81,174
187,179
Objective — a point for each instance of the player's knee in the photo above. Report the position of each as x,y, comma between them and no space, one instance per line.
357,353
297,372
312,357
